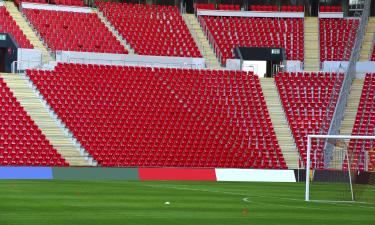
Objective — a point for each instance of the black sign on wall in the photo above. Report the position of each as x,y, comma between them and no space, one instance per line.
260,53
8,52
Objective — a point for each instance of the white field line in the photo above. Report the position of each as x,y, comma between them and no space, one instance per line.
247,198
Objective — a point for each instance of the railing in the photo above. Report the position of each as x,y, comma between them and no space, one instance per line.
131,63
372,47
210,38
17,66
201,48
338,115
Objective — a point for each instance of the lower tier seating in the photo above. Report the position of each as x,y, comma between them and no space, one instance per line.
309,101
8,25
72,31
364,125
337,37
229,32
139,116
21,141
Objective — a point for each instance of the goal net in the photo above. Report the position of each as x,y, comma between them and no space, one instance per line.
332,165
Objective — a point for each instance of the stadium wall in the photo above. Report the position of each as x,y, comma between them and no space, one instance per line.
191,174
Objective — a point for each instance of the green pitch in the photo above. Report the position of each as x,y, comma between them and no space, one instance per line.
191,203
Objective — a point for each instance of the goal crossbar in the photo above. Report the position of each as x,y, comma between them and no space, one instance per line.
308,152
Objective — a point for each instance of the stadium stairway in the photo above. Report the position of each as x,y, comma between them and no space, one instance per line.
33,105
311,29
352,107
114,31
201,40
366,49
28,31
280,124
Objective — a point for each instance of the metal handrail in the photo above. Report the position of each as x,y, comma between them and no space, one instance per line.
338,115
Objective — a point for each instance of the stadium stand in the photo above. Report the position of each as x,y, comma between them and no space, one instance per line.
305,98
292,8
337,38
68,2
373,54
229,7
56,2
21,141
330,9
140,116
8,25
204,6
264,8
151,29
364,125
229,32
71,31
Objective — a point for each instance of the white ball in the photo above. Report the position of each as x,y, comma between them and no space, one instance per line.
167,203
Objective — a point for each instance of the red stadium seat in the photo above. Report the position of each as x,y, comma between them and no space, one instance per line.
21,141
364,125
305,98
8,25
151,29
70,31
229,32
337,38
138,116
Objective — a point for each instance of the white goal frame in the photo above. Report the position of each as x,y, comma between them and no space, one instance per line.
308,160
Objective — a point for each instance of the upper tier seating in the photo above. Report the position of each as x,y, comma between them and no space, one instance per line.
364,125
373,54
292,8
205,6
264,8
229,7
306,98
21,141
18,2
57,2
330,9
229,32
68,2
71,31
151,29
140,116
8,25
337,38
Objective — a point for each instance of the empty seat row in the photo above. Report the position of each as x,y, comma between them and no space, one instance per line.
139,116
72,31
309,101
21,142
56,2
8,25
337,37
151,29
364,125
330,9
225,33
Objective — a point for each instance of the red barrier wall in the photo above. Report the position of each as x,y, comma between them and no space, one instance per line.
177,174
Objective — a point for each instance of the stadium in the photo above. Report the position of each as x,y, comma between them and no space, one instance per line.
187,112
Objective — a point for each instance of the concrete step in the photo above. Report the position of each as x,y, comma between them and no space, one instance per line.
28,31
312,53
201,41
114,32
57,136
352,107
279,122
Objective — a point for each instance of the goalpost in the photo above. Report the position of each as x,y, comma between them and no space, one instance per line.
329,160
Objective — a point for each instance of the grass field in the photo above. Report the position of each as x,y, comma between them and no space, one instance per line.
191,203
